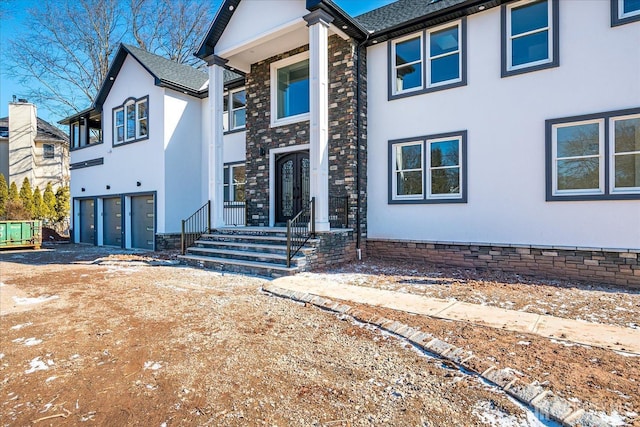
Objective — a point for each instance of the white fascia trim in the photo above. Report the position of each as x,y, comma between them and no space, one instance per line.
263,37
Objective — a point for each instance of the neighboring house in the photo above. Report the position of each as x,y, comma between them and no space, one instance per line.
490,134
32,148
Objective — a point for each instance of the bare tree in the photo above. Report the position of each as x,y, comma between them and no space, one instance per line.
64,55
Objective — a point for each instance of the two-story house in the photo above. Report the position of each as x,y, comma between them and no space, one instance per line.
477,133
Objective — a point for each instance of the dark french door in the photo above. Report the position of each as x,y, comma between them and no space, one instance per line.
292,185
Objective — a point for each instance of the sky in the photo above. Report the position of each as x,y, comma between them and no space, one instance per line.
14,24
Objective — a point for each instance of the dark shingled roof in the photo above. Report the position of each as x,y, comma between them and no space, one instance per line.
402,11
169,71
46,131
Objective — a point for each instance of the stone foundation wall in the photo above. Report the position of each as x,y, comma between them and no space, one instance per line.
603,266
333,248
165,242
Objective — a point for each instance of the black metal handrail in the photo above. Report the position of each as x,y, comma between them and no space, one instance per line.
339,211
300,228
195,226
234,213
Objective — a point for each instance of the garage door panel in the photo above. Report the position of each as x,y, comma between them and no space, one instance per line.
142,222
112,221
87,221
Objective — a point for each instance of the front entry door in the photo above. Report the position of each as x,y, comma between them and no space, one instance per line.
292,185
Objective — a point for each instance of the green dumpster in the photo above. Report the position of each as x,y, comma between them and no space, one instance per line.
20,234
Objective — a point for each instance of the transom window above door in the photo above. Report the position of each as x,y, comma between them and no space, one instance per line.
290,90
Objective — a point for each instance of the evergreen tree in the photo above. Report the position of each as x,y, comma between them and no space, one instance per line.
26,195
13,193
49,203
14,206
38,204
63,206
4,195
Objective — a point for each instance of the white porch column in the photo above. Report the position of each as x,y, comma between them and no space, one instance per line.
318,22
216,160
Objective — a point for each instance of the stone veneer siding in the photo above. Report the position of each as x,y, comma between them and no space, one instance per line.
603,266
332,248
342,132
166,242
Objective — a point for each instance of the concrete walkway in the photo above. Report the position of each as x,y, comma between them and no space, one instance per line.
593,334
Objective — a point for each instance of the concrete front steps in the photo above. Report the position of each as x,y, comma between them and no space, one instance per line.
260,251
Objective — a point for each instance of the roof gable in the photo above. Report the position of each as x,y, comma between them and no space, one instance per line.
165,72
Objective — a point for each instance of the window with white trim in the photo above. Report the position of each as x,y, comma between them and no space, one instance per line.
444,55
428,169
625,148
48,151
408,172
529,37
407,64
624,11
235,180
131,121
578,157
428,61
238,113
594,157
290,90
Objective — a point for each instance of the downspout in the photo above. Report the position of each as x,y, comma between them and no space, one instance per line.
358,149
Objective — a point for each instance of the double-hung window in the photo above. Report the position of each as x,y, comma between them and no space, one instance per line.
594,157
429,169
131,121
407,64
428,61
290,90
624,11
234,183
234,112
529,36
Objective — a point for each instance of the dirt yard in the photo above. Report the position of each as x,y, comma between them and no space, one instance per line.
106,338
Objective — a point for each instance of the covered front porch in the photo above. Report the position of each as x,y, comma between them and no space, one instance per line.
296,165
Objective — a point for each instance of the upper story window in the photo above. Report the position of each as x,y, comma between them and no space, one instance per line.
429,169
431,60
48,151
83,137
585,162
131,121
529,36
624,11
237,117
290,90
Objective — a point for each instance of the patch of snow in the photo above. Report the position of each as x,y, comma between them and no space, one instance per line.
50,379
615,419
32,341
1,356
625,354
36,365
489,414
74,356
37,300
154,366
20,326
524,342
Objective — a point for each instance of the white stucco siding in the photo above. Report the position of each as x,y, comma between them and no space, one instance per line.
183,148
505,121
126,164
255,18
235,147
